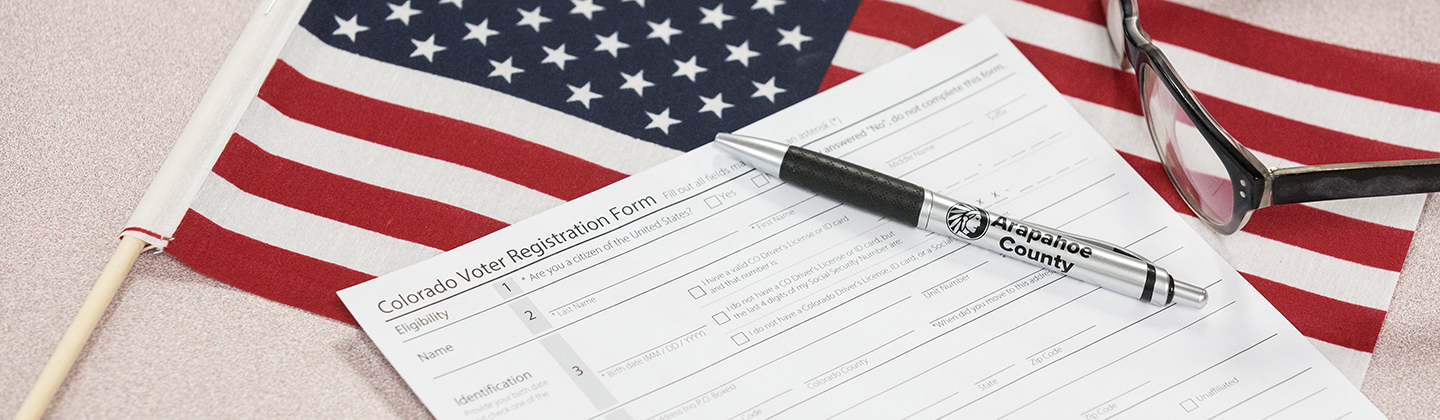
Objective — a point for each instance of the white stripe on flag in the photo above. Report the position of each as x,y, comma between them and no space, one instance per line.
473,104
304,233
1352,363
1031,24
391,168
1355,115
862,53
1397,211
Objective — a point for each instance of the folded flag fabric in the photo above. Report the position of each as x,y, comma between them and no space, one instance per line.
389,132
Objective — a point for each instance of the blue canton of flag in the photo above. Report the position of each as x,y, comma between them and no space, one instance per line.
668,72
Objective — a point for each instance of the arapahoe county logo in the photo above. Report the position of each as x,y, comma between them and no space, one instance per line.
967,221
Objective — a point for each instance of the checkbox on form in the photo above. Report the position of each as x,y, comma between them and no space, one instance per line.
740,338
720,318
712,201
761,180
1189,405
697,292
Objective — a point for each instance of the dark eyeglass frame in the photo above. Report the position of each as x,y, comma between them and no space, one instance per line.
1255,185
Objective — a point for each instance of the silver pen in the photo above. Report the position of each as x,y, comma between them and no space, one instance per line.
1093,261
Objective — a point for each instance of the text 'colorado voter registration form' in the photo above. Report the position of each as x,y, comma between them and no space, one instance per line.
702,289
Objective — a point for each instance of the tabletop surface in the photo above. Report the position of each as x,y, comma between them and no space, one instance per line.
95,93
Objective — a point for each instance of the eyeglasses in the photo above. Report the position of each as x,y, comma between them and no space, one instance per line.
1218,178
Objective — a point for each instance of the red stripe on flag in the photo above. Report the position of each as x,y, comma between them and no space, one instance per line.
1396,80
836,75
1332,234
535,166
900,23
1303,226
1332,321
294,185
1092,11
1085,80
1259,130
262,269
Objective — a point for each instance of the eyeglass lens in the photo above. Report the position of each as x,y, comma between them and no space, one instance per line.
1194,166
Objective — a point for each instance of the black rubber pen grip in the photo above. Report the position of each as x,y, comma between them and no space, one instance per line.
852,184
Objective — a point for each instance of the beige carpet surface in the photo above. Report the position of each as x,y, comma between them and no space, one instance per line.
93,94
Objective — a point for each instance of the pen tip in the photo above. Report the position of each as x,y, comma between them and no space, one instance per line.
727,142
764,155
1189,295
727,139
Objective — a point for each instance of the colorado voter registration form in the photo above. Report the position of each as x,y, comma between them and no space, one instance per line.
703,289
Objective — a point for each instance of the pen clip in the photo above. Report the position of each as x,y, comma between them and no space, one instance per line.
1115,248
1096,243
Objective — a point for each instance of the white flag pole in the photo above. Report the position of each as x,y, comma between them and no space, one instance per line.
180,177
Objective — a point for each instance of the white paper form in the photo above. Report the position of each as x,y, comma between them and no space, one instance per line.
702,289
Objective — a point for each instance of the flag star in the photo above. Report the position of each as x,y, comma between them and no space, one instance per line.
481,32
715,16
426,48
459,4
401,12
662,30
582,95
792,37
611,44
585,7
556,56
661,121
636,82
741,53
768,5
640,2
349,27
687,68
532,18
715,105
504,69
768,90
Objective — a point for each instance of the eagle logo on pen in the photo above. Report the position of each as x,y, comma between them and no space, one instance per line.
967,221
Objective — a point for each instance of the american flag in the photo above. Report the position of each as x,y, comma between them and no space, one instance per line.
669,72
389,132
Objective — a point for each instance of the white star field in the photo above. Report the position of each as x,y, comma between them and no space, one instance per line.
702,25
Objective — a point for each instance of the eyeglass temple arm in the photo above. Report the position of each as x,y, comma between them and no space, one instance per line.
1354,180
